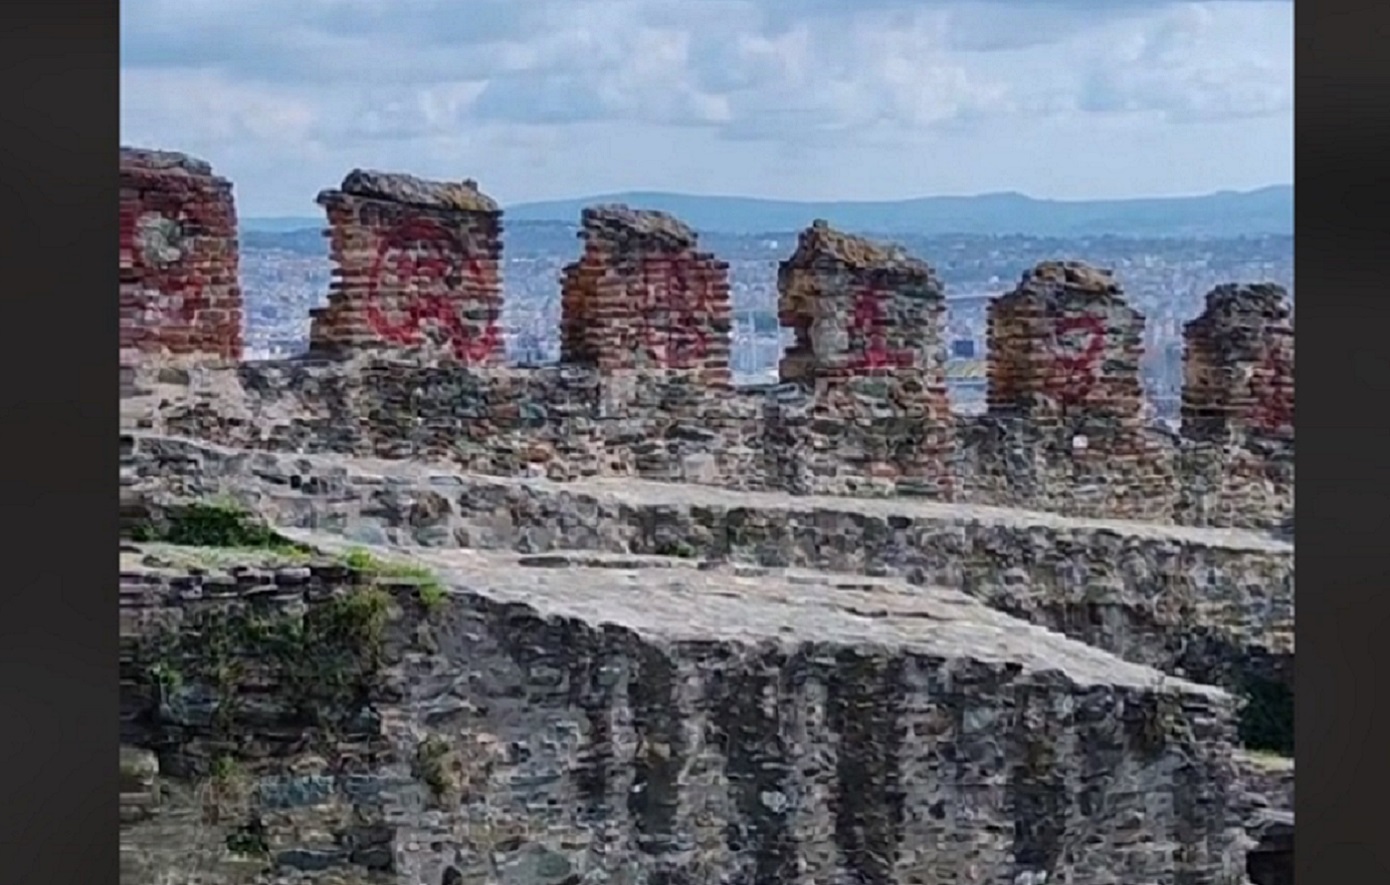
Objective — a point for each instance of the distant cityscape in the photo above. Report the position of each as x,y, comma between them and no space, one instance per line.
284,274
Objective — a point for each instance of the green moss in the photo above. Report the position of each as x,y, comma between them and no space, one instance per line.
432,595
325,660
431,766
212,524
165,676
431,591
249,840
226,770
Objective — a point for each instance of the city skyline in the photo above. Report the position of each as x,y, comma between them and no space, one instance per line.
882,100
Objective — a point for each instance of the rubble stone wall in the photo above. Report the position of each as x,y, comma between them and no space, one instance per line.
416,267
566,422
643,298
621,731
179,291
1215,605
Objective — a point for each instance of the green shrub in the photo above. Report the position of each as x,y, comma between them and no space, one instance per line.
212,524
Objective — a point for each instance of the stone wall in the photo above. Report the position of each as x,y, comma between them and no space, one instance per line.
643,388
416,267
643,298
868,361
566,422
1212,605
1065,404
180,295
651,721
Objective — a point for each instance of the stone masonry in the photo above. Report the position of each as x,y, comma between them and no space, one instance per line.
643,297
590,718
1065,399
643,386
417,267
180,295
1215,605
869,359
1239,367
565,625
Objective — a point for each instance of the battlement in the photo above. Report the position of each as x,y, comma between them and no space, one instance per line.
416,266
642,297
179,291
406,363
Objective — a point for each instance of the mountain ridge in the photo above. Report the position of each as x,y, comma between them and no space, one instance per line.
1263,211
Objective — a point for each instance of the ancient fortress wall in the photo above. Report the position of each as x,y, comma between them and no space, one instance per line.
616,732
180,295
405,365
416,264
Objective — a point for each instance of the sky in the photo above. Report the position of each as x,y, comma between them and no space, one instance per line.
786,99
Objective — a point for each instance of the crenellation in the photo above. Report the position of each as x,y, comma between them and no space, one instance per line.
417,267
1065,403
869,353
643,388
642,298
1238,366
179,291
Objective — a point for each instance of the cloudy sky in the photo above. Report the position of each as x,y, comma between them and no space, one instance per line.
794,99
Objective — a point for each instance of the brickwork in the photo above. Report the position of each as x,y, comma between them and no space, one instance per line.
1065,403
416,266
643,389
1238,366
643,297
179,291
868,352
1064,344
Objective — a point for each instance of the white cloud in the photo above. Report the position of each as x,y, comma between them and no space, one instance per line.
820,84
1199,62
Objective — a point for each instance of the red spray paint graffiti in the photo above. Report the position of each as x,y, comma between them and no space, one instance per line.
1079,355
667,293
1272,410
428,258
866,325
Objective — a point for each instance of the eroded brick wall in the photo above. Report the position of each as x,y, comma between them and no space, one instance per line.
1238,366
1065,428
1064,345
179,291
869,362
1237,413
416,267
642,297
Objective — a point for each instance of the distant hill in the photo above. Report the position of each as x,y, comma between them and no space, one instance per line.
1225,214
281,225
1265,211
